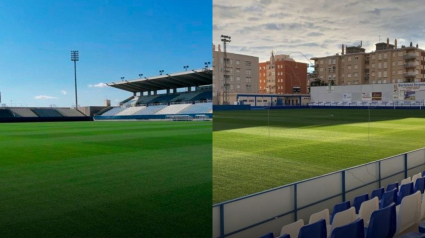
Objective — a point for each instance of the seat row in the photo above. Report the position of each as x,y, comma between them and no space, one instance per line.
382,214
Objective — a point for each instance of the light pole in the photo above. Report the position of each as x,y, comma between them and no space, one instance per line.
207,64
140,75
122,78
75,57
161,71
225,39
186,67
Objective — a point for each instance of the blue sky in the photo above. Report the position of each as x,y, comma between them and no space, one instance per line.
115,39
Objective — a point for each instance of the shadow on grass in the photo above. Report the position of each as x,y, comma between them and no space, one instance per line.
298,118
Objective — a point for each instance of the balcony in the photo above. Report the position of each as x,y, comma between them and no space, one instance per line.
409,56
410,65
410,74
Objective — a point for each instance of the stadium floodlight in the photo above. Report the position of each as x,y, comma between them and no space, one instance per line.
140,75
161,71
122,78
186,67
207,64
225,40
75,56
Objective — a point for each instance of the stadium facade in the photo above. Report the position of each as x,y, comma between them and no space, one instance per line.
387,64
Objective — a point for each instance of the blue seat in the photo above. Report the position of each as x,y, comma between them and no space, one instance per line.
422,227
383,223
268,235
423,173
388,197
354,229
405,190
285,236
420,185
359,200
314,230
377,193
392,186
339,208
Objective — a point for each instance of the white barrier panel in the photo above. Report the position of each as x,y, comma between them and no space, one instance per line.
415,158
216,221
359,176
329,204
243,213
390,167
349,196
318,189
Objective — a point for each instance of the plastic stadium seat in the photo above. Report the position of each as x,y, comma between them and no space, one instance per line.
413,235
422,227
315,230
367,208
359,200
377,193
423,173
409,212
388,197
415,177
292,229
420,184
268,235
405,181
405,190
422,210
344,218
320,215
392,186
352,230
382,223
339,208
285,236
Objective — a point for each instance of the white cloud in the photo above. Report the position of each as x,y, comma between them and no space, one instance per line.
44,97
64,92
99,85
315,27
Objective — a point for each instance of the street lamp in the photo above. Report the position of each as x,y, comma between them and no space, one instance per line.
207,64
186,67
140,75
161,71
122,78
75,57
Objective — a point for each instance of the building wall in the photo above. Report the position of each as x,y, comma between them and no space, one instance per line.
382,66
242,70
262,78
290,74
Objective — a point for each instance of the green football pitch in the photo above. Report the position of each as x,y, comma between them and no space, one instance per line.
258,150
106,179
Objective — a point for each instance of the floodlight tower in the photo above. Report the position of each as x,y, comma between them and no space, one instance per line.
161,71
225,40
140,75
207,64
75,57
186,67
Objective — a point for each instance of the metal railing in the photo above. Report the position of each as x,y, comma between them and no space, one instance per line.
257,214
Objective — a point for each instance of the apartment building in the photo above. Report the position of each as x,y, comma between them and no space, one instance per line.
242,71
387,64
282,75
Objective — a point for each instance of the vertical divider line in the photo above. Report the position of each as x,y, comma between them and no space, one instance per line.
295,203
343,185
222,221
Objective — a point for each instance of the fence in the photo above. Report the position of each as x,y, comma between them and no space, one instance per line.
259,213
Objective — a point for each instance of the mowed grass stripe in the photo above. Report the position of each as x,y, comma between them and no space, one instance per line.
123,186
250,157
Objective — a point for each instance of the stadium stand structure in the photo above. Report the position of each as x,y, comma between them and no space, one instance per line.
41,114
158,98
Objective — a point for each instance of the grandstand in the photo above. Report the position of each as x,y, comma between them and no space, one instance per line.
28,114
163,96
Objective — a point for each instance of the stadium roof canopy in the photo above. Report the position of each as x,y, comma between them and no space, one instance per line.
167,81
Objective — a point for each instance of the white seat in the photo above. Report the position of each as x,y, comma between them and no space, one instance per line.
367,208
409,212
321,215
405,181
415,177
342,218
422,209
292,229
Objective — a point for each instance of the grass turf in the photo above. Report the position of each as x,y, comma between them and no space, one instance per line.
249,156
105,179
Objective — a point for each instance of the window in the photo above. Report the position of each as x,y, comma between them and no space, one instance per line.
248,63
237,62
238,78
238,70
349,67
385,65
379,65
238,86
349,58
248,79
355,75
248,72
356,66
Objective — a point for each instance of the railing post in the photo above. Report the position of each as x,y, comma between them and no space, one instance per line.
405,165
222,221
295,203
343,185
379,174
